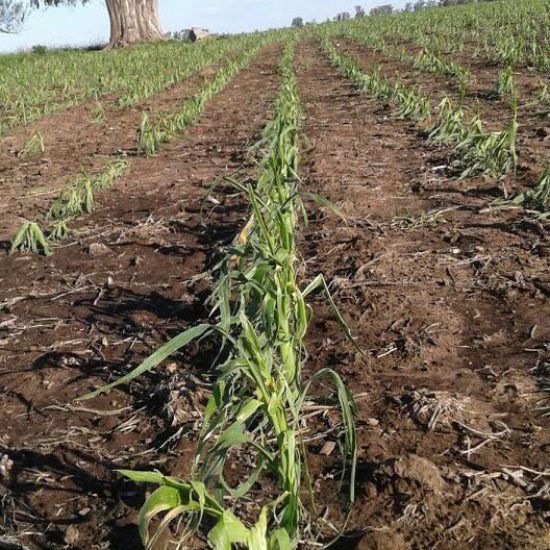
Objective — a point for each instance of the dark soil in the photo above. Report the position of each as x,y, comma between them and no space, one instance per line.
450,310
451,314
73,321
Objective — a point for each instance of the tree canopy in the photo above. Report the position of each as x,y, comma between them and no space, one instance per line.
12,15
134,21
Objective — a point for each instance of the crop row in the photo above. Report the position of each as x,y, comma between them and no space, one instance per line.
158,128
78,198
258,398
32,85
508,32
476,151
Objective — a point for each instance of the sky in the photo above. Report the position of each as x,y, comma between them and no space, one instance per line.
89,24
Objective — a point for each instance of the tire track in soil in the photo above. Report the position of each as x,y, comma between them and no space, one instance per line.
72,141
444,320
102,304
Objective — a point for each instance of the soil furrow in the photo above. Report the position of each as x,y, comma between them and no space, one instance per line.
443,308
102,304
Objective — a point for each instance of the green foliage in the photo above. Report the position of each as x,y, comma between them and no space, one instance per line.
258,400
151,135
98,115
59,231
39,50
449,127
490,153
32,86
33,146
30,238
76,200
537,198
504,83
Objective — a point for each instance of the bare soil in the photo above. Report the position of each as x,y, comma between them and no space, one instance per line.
449,307
451,313
73,141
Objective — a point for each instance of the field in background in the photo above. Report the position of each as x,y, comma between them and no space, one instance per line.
405,159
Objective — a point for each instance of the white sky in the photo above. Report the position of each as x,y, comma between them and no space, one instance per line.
84,25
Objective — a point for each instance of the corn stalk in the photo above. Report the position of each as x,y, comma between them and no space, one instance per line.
257,401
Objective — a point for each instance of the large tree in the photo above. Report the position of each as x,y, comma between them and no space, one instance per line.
131,20
12,15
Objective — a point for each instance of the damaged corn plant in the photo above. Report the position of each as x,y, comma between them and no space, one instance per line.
412,103
152,134
77,199
256,406
536,198
480,152
475,150
30,237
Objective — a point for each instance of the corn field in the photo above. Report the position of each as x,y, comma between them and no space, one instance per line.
280,290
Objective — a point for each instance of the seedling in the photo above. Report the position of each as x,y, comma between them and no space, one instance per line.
504,84
76,200
490,153
33,146
449,127
59,231
149,137
537,198
98,115
30,238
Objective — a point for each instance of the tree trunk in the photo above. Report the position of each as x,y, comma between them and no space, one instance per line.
133,21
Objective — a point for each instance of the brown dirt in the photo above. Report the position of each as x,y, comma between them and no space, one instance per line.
444,311
450,310
70,322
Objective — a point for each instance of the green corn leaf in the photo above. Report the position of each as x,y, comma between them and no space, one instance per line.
180,341
228,531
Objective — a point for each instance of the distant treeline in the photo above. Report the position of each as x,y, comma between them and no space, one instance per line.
386,9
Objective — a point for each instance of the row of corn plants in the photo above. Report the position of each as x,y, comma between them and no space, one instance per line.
78,198
152,133
475,150
412,103
507,32
196,60
34,85
75,200
429,61
260,315
537,198
426,60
